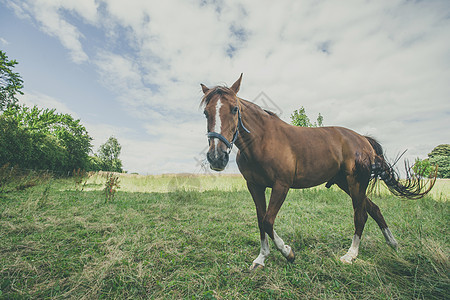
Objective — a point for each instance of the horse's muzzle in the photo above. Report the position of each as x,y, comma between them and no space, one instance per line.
218,160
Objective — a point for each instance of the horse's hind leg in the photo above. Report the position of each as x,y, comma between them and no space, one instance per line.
361,207
357,192
360,218
375,213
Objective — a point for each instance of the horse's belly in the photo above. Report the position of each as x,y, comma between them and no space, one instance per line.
313,174
303,184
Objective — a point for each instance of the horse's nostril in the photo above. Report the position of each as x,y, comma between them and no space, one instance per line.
217,155
218,160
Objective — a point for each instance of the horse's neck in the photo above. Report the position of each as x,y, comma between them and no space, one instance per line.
255,120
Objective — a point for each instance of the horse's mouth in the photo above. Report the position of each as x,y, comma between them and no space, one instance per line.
217,162
218,169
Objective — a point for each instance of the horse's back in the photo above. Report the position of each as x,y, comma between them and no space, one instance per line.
333,138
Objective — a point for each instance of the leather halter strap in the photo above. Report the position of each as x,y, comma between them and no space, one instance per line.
229,145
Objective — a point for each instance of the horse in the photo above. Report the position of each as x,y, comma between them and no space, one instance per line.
274,154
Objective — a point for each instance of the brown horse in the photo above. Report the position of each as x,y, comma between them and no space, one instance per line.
275,154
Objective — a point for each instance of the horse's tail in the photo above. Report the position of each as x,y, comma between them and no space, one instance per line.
413,187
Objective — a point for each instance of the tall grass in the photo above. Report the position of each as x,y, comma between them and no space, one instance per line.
172,182
154,240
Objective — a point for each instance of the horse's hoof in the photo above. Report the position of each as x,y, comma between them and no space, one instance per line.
347,259
393,244
291,257
255,267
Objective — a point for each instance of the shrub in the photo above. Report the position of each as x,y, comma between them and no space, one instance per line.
42,139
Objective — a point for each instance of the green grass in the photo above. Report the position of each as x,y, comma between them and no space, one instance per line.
185,238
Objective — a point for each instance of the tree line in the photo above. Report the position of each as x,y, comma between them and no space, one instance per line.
43,139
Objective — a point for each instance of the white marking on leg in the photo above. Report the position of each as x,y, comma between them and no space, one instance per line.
263,253
217,125
389,238
279,243
352,253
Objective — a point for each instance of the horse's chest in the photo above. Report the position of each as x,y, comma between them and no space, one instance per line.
257,171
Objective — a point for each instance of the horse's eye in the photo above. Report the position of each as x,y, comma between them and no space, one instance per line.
234,110
206,113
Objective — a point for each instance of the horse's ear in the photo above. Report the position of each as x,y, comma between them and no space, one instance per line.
235,87
204,88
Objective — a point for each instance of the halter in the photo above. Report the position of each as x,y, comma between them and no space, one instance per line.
229,145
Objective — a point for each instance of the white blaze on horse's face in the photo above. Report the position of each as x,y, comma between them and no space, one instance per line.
218,151
218,124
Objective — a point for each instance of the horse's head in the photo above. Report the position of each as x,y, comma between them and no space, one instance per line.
223,115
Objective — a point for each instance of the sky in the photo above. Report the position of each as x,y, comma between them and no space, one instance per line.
132,69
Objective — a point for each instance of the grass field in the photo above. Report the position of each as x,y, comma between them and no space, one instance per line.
195,237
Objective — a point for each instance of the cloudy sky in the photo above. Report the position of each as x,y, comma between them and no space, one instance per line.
132,69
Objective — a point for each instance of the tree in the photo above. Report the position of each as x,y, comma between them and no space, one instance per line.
319,120
299,118
440,156
108,153
36,138
423,167
441,150
10,82
16,143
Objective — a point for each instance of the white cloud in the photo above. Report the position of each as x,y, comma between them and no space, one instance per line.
3,41
49,15
380,68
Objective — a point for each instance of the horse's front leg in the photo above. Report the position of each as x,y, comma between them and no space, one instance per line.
259,197
277,198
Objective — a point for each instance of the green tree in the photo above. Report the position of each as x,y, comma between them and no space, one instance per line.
440,156
441,150
319,120
58,142
108,153
16,143
10,82
299,118
95,163
423,167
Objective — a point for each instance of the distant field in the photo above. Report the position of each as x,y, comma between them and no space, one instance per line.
195,237
222,182
171,182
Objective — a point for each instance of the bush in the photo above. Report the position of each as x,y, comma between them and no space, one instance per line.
423,167
443,163
440,156
299,118
42,139
15,142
